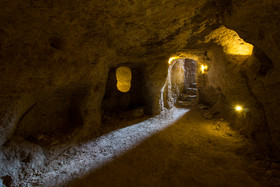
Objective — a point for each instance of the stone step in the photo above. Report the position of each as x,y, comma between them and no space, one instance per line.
191,99
186,97
191,91
193,85
191,96
184,103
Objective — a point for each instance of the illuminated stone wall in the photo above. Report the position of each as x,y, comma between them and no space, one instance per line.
258,23
230,83
55,57
175,82
178,77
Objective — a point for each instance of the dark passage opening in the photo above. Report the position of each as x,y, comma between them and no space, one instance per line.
180,89
187,97
121,104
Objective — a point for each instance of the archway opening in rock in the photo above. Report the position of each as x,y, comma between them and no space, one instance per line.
123,97
180,88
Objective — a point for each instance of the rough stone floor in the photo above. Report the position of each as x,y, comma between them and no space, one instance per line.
176,148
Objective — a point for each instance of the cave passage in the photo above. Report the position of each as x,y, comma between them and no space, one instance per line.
187,93
180,86
140,93
176,147
186,150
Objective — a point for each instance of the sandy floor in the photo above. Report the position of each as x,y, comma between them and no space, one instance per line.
190,151
176,148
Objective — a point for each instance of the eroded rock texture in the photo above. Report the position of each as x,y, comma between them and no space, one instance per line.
58,58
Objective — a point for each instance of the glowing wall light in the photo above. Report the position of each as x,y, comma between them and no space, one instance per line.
203,68
124,76
238,108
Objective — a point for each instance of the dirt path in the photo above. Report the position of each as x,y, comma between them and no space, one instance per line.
175,148
189,152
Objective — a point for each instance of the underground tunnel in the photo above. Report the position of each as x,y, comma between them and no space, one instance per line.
140,93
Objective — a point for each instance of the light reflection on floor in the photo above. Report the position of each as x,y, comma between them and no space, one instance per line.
93,154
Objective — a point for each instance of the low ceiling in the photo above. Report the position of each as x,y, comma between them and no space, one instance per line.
129,28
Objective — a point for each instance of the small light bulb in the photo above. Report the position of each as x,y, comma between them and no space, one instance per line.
238,108
203,68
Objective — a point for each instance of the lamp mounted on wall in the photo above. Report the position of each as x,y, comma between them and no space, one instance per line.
238,108
204,69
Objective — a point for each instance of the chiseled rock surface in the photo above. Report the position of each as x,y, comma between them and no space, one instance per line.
55,57
55,54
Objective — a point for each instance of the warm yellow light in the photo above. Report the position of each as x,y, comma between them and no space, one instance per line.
231,42
238,108
203,68
124,76
171,59
240,49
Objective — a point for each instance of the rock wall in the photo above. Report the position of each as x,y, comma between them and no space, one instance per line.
181,74
175,82
48,69
154,80
227,84
55,57
178,77
258,23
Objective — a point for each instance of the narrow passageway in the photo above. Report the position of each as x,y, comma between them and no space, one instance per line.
176,148
139,93
187,97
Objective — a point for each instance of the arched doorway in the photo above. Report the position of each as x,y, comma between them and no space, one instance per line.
180,88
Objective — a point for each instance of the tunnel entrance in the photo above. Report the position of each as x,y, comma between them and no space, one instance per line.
188,95
123,97
180,88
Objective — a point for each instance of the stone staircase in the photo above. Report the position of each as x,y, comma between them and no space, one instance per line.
188,98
